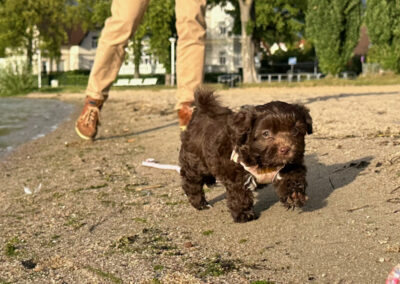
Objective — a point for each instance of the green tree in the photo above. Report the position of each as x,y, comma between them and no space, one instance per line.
25,23
383,23
157,26
161,26
280,20
264,21
333,26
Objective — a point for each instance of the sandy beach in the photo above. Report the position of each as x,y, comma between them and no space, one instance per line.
102,217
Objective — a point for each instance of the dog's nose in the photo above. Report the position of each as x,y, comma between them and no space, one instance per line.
284,150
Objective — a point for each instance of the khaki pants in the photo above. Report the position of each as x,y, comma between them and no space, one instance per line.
118,29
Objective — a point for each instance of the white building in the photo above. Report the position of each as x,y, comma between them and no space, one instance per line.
222,46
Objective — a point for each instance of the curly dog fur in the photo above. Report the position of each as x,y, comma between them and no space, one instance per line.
266,136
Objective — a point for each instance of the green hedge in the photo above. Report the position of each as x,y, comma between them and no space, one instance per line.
16,79
81,77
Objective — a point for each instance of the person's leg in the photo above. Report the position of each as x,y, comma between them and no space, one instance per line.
118,29
191,28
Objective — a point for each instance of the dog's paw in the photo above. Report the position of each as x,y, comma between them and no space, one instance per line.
204,206
293,192
296,199
244,216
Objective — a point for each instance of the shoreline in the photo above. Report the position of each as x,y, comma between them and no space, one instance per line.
31,120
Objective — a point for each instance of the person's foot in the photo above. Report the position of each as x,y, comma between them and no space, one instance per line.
86,125
185,114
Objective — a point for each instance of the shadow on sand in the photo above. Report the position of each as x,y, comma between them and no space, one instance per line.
322,181
340,96
138,132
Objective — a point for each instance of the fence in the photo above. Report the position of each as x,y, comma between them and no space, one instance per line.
371,68
279,77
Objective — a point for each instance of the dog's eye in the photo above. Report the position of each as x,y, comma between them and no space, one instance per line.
266,134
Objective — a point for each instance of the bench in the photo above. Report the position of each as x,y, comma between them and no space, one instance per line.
136,82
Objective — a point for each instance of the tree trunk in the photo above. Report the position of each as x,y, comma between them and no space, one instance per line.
249,70
29,53
51,64
137,55
167,79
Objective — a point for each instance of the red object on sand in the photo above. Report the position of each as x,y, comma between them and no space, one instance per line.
394,275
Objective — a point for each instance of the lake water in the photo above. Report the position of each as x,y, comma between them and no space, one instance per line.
23,119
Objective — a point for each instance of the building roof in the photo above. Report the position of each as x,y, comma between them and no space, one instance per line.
75,35
363,43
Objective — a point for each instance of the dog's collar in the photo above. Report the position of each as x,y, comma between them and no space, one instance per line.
263,176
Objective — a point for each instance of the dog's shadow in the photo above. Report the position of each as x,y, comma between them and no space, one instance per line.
322,181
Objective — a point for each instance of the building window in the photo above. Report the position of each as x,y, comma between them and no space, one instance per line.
222,58
44,67
95,39
237,47
60,66
222,28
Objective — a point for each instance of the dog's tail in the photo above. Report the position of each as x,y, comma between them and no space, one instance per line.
207,103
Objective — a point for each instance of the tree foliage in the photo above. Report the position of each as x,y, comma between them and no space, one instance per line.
266,21
161,25
334,29
279,20
383,23
31,24
157,26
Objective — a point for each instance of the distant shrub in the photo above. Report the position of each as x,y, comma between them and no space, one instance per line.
16,79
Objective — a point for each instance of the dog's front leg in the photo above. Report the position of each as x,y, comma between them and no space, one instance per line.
291,186
193,187
240,199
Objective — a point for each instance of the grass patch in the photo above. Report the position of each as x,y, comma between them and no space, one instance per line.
140,220
261,282
11,247
2,281
151,241
62,89
74,222
16,79
103,274
213,267
158,267
174,203
242,241
370,80
58,195
108,203
208,232
133,187
91,187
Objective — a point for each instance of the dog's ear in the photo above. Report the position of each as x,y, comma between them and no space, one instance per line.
307,118
241,125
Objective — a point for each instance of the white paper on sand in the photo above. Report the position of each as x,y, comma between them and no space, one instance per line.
27,190
154,164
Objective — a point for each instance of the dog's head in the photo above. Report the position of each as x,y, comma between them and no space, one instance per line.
270,135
